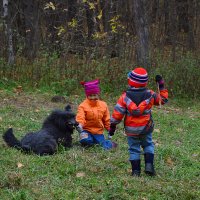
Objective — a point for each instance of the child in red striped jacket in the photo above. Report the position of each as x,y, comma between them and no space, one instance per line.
136,104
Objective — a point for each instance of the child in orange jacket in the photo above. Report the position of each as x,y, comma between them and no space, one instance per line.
93,117
136,104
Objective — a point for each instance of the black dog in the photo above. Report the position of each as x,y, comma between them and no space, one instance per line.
57,129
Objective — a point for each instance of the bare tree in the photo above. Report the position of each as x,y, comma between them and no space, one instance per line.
31,17
93,27
142,32
173,27
8,31
191,42
91,20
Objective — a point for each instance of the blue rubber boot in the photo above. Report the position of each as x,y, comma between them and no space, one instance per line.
136,169
149,166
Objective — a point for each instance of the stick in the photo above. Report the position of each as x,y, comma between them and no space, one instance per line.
159,95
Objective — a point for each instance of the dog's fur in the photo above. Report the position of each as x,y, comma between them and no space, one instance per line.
57,129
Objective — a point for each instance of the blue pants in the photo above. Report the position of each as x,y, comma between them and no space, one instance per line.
135,144
92,139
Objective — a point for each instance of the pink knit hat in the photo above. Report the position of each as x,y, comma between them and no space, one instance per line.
91,87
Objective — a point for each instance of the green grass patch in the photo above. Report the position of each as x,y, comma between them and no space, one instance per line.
93,173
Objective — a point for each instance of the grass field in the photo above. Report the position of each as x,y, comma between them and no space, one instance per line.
92,173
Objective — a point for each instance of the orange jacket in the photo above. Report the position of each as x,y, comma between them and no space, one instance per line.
137,116
93,116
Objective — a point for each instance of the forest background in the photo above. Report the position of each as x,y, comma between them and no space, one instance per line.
56,44
48,47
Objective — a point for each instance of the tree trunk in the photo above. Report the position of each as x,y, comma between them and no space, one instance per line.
142,32
182,15
76,12
191,42
167,21
173,28
31,15
91,21
8,32
106,15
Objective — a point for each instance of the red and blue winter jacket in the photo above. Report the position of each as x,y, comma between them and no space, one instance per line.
136,104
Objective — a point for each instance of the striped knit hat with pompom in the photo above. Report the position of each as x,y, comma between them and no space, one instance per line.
138,77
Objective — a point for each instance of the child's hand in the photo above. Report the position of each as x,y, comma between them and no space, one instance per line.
112,129
79,128
159,80
111,133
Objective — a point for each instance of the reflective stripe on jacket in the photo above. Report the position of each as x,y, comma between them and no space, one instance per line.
136,104
94,116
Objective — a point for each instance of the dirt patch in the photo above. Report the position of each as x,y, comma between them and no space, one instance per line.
32,101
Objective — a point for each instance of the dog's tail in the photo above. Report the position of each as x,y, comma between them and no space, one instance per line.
11,140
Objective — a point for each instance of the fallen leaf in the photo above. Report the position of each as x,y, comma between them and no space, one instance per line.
169,161
194,155
167,111
80,174
192,117
108,182
144,198
156,143
179,130
18,89
157,130
98,190
1,119
125,183
172,109
19,165
178,143
96,169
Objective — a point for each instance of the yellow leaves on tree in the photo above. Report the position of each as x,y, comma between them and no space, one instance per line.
60,30
91,4
49,5
115,24
99,35
99,16
73,23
